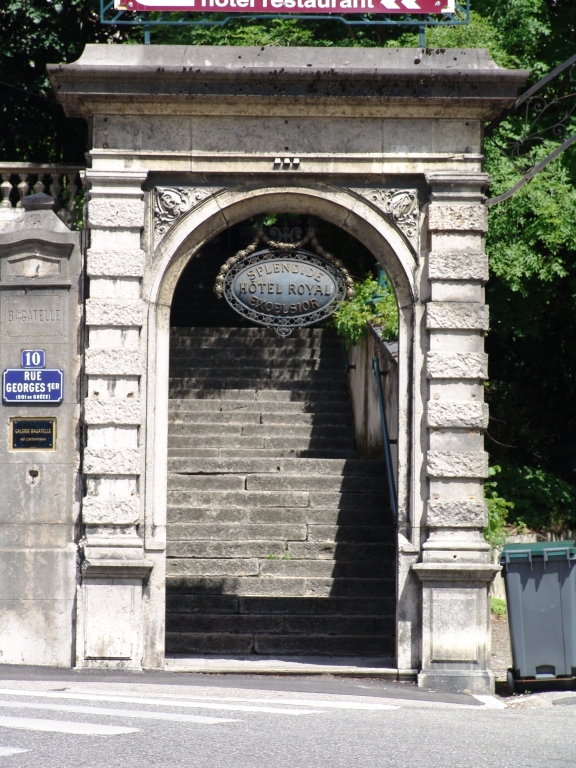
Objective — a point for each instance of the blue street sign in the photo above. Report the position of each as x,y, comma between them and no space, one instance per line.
33,386
33,358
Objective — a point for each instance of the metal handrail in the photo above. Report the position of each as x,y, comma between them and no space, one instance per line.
386,438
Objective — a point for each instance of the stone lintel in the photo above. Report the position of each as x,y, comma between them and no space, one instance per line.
455,315
117,569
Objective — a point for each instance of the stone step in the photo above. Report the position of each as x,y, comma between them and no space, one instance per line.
279,624
216,497
178,600
259,453
275,443
314,397
284,532
275,465
179,563
277,481
261,430
321,409
310,645
243,418
245,334
269,515
300,370
297,552
256,586
255,354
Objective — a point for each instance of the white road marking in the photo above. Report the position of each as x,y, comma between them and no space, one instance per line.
172,717
156,702
6,751
321,703
491,702
64,726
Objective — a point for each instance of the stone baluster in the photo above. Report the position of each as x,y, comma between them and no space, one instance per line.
455,570
23,188
71,190
6,190
39,186
55,187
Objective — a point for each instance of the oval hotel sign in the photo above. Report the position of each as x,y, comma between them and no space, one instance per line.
283,290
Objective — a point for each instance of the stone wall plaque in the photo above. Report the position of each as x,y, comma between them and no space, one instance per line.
33,434
33,314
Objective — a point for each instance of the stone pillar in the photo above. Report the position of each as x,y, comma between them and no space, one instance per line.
455,570
114,568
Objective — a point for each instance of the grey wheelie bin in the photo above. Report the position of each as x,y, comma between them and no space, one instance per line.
540,584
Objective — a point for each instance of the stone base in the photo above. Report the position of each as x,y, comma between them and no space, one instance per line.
457,681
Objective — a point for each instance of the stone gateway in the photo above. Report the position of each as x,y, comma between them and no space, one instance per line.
217,488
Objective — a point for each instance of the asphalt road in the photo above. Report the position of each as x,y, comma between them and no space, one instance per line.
66,719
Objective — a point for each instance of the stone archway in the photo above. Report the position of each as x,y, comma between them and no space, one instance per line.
214,212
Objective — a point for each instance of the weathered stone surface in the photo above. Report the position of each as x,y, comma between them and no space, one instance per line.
458,266
114,312
109,461
112,263
102,510
113,362
457,365
219,567
456,315
116,213
112,411
457,218
456,464
462,413
456,514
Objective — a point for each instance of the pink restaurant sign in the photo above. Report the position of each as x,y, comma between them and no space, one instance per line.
290,6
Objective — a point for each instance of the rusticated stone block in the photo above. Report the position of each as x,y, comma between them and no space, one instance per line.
457,365
105,510
457,413
113,362
116,213
111,263
112,411
112,461
457,464
114,312
455,315
458,266
457,218
456,514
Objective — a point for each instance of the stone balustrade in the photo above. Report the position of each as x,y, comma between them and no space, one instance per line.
61,181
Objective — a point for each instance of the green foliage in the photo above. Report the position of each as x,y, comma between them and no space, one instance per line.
498,606
541,500
369,305
498,509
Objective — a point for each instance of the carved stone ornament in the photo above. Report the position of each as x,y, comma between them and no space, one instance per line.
171,203
400,204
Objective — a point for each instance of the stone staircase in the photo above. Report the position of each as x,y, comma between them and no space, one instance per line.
280,539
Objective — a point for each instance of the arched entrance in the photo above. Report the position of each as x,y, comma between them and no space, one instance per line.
279,537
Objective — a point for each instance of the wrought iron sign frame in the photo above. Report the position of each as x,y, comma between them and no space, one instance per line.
111,15
544,119
288,247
